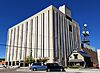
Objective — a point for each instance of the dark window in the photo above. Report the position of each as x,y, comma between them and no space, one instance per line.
41,34
70,28
52,64
26,31
48,34
37,64
75,56
54,33
70,56
68,18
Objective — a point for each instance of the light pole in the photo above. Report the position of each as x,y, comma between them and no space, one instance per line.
85,35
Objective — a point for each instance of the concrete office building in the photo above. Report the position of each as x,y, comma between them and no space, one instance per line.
51,33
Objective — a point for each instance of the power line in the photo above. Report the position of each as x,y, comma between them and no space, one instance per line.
19,46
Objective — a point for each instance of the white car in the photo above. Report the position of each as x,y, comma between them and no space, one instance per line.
1,66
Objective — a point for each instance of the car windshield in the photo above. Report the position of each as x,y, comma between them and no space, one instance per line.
36,63
54,64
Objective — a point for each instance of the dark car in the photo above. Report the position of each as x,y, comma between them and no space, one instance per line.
54,67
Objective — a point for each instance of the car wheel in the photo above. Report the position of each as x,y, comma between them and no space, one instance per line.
34,69
61,70
48,70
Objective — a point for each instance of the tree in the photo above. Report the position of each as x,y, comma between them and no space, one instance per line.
43,60
28,60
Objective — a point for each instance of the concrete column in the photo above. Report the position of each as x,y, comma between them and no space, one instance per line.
24,42
68,38
15,44
42,36
8,47
11,63
65,43
51,36
45,35
39,36
8,63
33,39
12,47
19,44
98,53
59,46
19,62
61,35
15,63
28,39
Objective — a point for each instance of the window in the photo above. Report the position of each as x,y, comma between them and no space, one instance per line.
75,56
70,28
69,18
70,56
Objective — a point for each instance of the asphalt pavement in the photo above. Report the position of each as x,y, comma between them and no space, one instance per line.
26,70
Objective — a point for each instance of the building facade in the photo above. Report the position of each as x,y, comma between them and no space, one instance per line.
79,59
51,33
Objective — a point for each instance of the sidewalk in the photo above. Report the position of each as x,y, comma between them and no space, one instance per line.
83,70
1,68
24,69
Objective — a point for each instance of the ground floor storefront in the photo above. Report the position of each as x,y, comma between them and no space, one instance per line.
19,63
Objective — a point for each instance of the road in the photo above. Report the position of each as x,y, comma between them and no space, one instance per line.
26,70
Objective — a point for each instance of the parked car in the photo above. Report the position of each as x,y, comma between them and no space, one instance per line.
54,67
38,66
1,66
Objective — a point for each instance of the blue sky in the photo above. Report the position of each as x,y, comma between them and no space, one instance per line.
83,11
